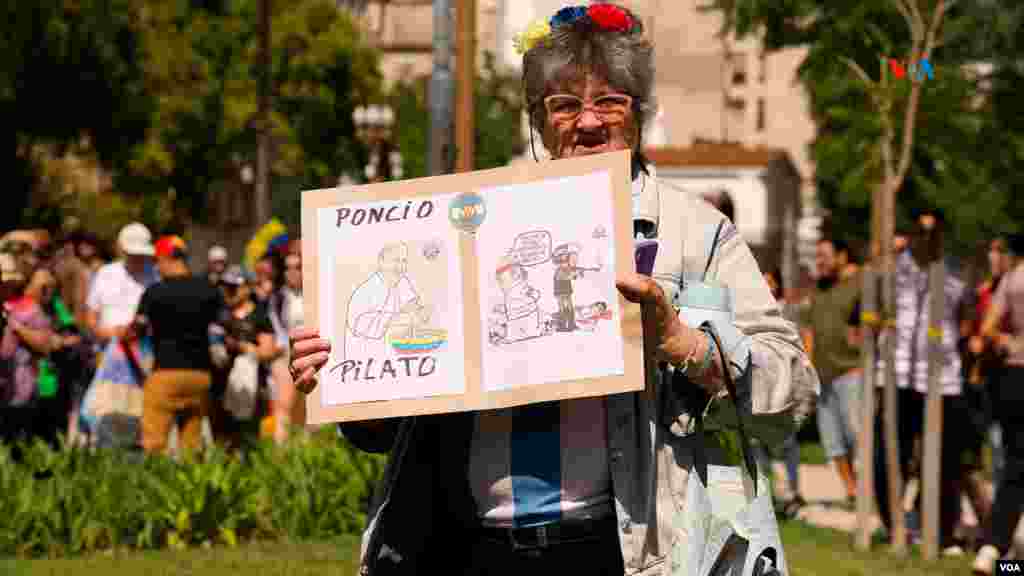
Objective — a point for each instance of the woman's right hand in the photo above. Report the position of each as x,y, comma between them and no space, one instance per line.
309,353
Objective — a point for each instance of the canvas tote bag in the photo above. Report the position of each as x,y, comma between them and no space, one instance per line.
731,525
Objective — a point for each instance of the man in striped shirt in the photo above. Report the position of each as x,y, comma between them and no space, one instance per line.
911,356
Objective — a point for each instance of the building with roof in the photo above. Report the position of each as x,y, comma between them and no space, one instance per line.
763,183
709,88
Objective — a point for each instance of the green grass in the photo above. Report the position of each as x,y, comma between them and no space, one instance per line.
813,551
335,558
810,552
812,453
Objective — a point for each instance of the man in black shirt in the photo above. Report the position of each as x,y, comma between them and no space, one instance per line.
178,314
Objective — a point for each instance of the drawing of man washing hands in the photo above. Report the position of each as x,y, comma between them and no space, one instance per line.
384,308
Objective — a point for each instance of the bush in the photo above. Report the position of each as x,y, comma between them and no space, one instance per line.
57,503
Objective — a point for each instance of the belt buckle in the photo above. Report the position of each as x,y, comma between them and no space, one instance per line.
542,539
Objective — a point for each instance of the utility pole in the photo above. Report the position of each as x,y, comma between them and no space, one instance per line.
262,200
440,99
465,36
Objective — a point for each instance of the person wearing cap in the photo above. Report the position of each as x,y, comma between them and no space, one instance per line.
117,287
25,256
177,314
28,339
247,330
216,263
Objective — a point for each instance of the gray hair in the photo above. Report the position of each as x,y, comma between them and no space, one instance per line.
624,59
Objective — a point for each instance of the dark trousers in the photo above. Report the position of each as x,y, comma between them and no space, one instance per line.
600,556
1010,495
18,424
954,437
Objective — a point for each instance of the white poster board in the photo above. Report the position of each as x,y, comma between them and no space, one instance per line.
473,291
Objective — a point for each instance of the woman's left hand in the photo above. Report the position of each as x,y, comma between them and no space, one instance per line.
673,339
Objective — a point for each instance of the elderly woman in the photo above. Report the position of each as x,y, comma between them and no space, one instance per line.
478,493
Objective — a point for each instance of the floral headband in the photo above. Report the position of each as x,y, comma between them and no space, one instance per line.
604,16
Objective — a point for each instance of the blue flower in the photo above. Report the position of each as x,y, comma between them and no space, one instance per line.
568,15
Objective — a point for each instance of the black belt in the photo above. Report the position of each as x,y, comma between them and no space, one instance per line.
562,532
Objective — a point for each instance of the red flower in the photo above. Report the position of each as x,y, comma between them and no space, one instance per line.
609,17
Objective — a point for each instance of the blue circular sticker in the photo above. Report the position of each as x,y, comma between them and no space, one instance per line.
467,211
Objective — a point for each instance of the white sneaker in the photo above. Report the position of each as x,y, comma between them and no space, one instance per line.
953,552
985,561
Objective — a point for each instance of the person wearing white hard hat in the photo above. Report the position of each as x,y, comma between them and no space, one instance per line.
117,287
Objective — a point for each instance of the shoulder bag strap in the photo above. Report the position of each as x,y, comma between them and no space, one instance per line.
700,458
730,386
711,252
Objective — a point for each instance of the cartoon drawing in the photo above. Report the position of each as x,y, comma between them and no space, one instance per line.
525,312
432,249
566,259
385,312
588,316
522,313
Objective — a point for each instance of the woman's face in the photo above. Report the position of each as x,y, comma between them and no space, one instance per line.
603,126
42,286
293,272
86,251
264,272
997,259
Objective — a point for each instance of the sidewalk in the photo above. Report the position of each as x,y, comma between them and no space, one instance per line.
825,497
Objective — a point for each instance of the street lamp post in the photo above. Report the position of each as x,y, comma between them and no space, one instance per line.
373,128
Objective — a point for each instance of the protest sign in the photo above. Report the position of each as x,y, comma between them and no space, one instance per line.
474,291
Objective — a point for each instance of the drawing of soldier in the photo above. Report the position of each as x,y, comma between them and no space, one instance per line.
566,257
522,313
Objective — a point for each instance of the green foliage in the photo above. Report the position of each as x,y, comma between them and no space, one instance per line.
966,141
202,63
68,70
498,110
95,501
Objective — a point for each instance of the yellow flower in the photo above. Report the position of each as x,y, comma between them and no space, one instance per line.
535,33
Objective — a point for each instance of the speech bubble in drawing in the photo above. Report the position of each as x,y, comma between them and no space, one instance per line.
532,248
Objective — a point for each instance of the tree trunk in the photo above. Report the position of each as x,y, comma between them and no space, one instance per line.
866,440
931,477
261,206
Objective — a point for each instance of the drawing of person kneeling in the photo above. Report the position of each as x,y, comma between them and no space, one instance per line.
522,314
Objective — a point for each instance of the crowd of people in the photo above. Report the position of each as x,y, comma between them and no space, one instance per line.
979,374
597,484
204,350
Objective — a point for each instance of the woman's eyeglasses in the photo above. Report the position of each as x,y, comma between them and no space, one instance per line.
563,108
